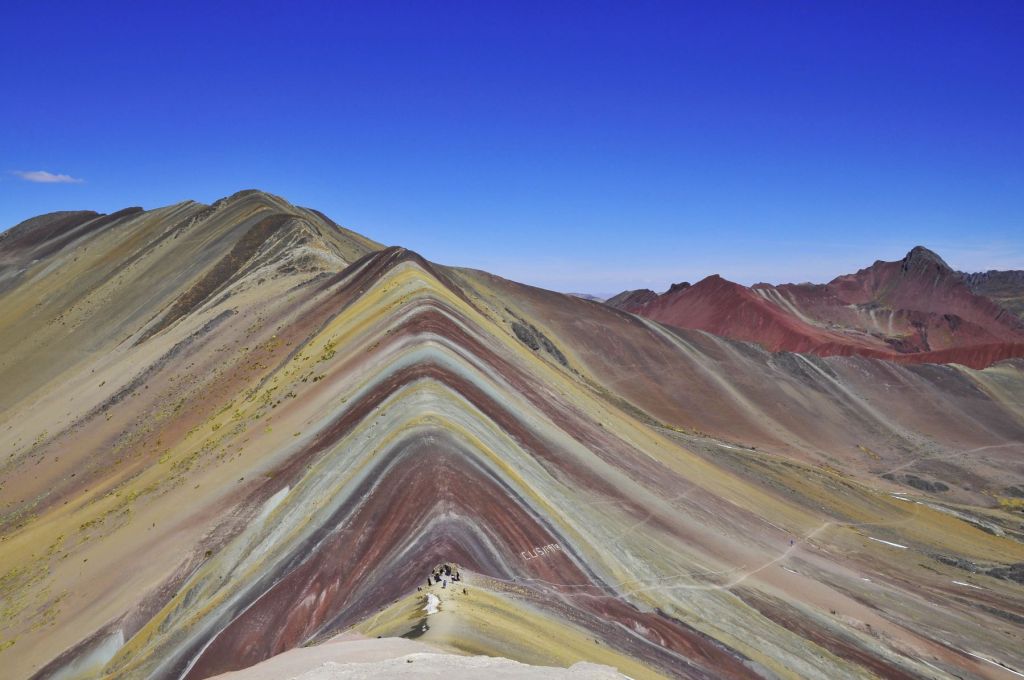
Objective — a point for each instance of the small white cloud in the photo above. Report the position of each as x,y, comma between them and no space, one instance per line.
44,177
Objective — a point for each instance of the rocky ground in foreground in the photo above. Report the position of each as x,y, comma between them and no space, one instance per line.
351,657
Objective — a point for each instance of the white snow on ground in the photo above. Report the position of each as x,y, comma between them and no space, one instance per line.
91,663
432,604
452,667
895,545
273,502
969,585
995,663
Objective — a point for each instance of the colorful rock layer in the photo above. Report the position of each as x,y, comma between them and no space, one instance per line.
233,430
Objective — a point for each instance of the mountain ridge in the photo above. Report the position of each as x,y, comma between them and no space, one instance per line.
916,309
224,441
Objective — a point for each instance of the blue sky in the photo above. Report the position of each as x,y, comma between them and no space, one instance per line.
584,146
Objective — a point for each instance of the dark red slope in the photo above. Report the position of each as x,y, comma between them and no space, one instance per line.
923,282
731,310
915,310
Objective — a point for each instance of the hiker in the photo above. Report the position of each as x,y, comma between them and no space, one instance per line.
428,581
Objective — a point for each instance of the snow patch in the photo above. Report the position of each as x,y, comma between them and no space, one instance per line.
995,663
969,585
895,545
433,602
273,502
91,663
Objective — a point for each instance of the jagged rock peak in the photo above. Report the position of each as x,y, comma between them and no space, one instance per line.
629,298
919,257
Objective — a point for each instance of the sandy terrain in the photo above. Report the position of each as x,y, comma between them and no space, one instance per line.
348,657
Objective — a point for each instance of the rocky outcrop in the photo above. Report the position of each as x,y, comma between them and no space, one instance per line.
1005,288
630,300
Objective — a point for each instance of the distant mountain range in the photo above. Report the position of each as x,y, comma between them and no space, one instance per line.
588,296
916,310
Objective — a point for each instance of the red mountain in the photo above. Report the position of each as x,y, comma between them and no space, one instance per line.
917,309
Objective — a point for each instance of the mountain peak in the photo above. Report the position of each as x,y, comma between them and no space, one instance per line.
630,300
920,256
715,281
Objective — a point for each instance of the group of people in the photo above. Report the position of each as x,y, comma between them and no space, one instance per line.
444,575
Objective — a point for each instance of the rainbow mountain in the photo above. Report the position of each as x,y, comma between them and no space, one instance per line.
233,430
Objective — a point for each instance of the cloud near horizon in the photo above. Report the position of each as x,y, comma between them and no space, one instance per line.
44,177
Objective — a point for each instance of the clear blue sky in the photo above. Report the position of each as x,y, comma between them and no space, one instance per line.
583,146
